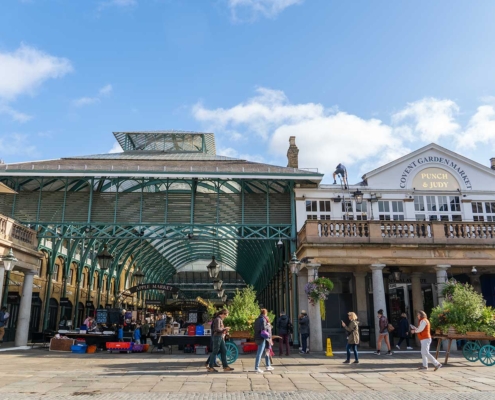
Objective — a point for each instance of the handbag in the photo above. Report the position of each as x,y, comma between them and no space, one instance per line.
265,334
390,328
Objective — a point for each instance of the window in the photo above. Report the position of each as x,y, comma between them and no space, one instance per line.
391,210
83,278
419,203
483,211
438,208
69,276
431,203
55,273
318,210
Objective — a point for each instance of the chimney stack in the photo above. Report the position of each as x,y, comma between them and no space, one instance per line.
492,162
293,153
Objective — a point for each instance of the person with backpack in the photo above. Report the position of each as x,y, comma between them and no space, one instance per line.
3,322
383,334
284,329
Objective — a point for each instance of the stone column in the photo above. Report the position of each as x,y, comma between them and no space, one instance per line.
2,278
476,283
22,329
361,297
315,330
441,280
417,299
302,280
378,293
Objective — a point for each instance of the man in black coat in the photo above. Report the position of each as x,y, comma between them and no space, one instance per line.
284,327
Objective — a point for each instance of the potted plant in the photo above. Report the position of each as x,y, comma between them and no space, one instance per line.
318,291
463,312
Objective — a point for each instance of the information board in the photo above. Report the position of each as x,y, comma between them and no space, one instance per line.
101,316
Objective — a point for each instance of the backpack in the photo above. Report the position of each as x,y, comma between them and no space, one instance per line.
290,327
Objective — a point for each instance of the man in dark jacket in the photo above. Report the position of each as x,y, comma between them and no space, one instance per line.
304,330
218,331
283,329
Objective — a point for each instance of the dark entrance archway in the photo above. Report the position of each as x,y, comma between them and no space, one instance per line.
52,314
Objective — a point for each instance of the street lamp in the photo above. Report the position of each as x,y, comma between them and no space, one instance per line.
138,277
9,260
213,268
217,284
104,258
358,196
396,273
175,295
294,264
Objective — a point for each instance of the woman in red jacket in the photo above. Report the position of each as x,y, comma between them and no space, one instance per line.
424,336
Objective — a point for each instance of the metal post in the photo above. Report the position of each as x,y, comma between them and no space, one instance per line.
293,248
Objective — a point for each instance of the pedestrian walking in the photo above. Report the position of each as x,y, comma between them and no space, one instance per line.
136,335
145,331
261,335
3,322
283,330
304,330
352,337
424,336
218,332
383,334
404,332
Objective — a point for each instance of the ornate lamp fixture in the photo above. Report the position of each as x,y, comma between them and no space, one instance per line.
358,196
220,293
9,260
138,277
175,295
213,268
224,298
294,264
104,258
217,284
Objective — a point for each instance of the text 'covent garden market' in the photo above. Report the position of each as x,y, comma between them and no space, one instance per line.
167,206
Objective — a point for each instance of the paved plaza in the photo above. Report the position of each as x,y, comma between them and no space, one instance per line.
39,374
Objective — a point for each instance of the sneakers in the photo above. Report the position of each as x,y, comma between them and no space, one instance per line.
302,352
356,362
377,353
389,353
270,368
259,371
209,369
409,348
307,351
422,368
228,369
438,366
334,182
398,347
346,362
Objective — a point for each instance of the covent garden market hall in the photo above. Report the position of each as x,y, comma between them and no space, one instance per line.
84,229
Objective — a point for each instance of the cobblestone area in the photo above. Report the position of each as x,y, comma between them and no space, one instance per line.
39,374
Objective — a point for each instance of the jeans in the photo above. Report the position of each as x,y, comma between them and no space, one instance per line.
425,353
261,350
281,342
352,347
402,339
304,340
219,347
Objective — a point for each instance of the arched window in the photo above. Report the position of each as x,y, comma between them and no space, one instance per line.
83,280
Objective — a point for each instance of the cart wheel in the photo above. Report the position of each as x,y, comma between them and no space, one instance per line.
232,352
470,351
487,355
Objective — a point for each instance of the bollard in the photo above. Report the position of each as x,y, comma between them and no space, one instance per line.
329,352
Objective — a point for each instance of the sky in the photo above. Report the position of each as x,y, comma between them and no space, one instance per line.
359,82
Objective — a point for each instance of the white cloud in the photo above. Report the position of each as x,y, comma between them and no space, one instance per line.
87,101
15,144
327,136
251,9
116,148
22,72
430,118
25,69
14,114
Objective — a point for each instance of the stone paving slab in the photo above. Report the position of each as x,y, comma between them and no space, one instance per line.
39,374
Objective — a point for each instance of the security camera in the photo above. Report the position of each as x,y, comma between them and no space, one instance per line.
280,244
474,271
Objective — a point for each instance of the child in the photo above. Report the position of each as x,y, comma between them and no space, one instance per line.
137,334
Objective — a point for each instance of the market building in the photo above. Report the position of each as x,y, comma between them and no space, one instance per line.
392,240
157,213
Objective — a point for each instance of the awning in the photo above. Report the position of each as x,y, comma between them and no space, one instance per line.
6,189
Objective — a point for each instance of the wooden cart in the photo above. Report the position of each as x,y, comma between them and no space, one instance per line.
473,350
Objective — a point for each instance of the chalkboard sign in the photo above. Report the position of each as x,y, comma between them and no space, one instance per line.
101,316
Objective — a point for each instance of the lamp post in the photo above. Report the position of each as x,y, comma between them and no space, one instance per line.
8,263
213,268
358,196
295,265
104,258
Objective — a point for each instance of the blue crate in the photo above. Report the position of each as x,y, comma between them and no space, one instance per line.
79,349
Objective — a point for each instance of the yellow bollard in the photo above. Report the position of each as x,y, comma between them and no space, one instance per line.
329,348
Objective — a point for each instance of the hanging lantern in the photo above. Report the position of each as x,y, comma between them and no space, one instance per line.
220,293
213,268
175,295
217,284
138,277
9,260
104,258
294,264
224,298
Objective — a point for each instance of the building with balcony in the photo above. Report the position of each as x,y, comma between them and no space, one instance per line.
393,239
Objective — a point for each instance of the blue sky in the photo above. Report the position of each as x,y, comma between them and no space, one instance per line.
359,82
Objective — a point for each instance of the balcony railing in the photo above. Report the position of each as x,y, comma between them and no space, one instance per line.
14,232
445,232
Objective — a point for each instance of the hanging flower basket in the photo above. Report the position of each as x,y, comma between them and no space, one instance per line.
318,291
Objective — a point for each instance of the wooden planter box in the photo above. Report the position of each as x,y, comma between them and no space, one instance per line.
475,334
61,344
240,335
